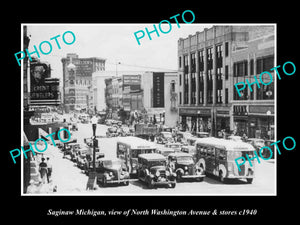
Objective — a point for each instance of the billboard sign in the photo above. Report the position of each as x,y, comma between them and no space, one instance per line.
158,90
43,89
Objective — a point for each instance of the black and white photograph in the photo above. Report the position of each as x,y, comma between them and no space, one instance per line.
169,122
167,114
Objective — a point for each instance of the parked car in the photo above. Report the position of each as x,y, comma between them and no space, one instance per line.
257,143
235,138
112,170
182,136
190,150
164,151
184,166
174,145
88,166
164,137
153,171
202,134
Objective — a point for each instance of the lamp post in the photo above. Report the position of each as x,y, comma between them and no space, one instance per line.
94,126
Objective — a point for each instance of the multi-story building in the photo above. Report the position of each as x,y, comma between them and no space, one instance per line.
253,112
161,96
115,92
206,75
77,77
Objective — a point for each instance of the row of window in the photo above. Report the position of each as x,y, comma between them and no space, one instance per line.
262,64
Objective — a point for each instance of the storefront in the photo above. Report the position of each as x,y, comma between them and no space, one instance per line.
255,121
223,120
261,121
195,119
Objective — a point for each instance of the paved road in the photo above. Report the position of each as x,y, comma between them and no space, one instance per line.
70,180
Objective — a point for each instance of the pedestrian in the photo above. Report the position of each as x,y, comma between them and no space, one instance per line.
32,188
49,169
43,170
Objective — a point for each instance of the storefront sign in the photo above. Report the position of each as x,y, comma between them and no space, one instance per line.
84,68
195,112
158,90
43,89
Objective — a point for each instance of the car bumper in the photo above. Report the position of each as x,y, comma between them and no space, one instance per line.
163,182
239,177
193,176
119,181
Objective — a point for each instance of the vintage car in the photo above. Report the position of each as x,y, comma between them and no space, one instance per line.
67,149
190,150
111,170
88,161
112,131
153,171
202,134
164,137
257,143
80,157
164,151
174,145
74,148
235,138
182,136
184,166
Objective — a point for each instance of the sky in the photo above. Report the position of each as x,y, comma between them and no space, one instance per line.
114,42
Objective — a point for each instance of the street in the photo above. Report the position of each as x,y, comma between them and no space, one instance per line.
70,180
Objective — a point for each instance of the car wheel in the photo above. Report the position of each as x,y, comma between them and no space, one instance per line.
200,179
249,180
150,183
179,177
222,178
104,181
173,185
126,183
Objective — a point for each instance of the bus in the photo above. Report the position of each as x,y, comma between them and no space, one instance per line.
128,149
217,157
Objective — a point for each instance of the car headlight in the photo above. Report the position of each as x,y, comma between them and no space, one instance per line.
167,173
111,174
185,168
157,173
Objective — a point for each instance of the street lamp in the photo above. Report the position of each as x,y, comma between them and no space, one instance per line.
94,126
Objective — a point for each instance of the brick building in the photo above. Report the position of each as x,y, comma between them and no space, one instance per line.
77,78
207,73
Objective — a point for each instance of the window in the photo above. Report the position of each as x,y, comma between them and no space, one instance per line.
240,68
180,62
226,49
180,98
226,72
226,95
185,64
251,67
193,62
172,86
201,60
180,77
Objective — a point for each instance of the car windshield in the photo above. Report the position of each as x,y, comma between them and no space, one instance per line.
232,155
157,163
185,160
112,164
260,142
167,135
192,142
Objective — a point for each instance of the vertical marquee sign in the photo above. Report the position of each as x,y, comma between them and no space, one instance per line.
43,89
158,90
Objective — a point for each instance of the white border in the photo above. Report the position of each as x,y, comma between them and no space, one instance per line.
132,24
